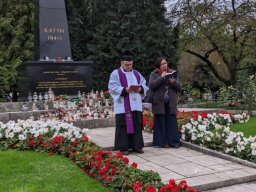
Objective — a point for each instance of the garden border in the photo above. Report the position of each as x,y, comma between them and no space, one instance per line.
219,184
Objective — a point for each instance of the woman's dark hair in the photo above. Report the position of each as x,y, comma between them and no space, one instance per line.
158,62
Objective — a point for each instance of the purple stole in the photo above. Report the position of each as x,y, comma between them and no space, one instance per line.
127,105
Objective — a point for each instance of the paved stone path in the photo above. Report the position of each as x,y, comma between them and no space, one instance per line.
204,172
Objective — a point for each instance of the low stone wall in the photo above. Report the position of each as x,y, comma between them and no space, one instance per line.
10,107
14,116
90,123
95,123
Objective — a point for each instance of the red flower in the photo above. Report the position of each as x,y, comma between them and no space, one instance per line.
119,155
57,139
134,165
151,124
113,171
32,143
107,163
182,183
109,153
145,120
100,152
162,189
126,160
85,138
98,158
75,143
40,137
102,171
105,177
137,186
172,181
150,189
44,144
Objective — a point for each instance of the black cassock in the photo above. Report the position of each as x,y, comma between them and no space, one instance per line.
125,141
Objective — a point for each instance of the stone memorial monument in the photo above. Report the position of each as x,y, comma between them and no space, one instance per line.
54,68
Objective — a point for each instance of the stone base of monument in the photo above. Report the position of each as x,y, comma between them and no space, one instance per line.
63,77
13,111
86,123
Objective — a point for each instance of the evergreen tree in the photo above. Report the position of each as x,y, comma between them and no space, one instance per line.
16,39
109,27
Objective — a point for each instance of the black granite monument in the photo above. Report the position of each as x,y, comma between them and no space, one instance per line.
54,67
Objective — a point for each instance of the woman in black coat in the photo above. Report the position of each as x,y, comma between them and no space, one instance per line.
164,105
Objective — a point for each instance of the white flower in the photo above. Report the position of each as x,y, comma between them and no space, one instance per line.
227,150
202,127
22,137
11,135
193,137
208,139
85,130
218,126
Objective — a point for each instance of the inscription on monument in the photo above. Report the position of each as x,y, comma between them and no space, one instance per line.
54,34
63,78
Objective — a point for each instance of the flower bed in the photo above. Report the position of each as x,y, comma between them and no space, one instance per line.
110,169
212,131
148,121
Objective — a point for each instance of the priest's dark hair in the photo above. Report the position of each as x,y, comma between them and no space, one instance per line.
127,56
158,62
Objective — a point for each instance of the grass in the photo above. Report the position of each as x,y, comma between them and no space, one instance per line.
248,128
224,106
26,171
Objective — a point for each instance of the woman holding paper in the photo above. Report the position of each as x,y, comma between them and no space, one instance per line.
165,86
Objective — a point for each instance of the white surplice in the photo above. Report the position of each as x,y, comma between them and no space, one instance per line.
115,90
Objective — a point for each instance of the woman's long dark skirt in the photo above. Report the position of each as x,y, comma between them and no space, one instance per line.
165,131
124,141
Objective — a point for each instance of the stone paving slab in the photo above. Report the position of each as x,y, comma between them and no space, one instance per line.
200,170
246,187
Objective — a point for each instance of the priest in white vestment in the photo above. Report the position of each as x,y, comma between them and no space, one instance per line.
128,87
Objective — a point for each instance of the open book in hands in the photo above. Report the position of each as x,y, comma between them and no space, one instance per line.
170,75
135,87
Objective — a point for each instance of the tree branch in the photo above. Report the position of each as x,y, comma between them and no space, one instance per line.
210,65
207,54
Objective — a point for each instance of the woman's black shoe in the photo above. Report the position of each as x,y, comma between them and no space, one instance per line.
175,146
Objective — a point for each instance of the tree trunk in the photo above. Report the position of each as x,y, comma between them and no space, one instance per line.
232,77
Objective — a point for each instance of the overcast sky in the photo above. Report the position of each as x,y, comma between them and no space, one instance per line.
170,2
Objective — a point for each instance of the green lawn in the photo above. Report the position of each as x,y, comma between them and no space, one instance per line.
226,106
247,128
26,171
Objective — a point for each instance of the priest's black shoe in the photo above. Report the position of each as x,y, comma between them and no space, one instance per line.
138,150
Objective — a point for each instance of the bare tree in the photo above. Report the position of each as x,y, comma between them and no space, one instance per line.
223,27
